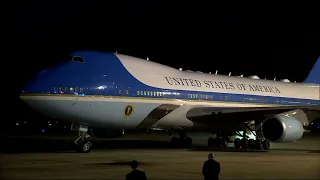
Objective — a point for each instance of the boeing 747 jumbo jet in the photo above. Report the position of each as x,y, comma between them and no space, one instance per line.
114,91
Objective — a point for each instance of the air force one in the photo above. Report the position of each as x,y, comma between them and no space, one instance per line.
114,91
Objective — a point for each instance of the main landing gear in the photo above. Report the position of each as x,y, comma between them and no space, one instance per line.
251,144
219,141
248,143
245,142
83,145
182,141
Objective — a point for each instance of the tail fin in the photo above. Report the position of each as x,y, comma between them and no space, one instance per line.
314,75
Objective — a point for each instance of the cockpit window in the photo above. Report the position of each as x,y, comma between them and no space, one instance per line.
77,59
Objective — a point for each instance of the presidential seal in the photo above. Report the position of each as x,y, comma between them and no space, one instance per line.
128,110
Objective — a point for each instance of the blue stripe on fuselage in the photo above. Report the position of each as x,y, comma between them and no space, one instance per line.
104,74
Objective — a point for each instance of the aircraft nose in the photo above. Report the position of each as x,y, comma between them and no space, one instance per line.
31,86
42,82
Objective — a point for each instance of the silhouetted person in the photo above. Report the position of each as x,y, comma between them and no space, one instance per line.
135,174
211,169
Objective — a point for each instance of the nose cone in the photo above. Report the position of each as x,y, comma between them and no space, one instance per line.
38,84
43,82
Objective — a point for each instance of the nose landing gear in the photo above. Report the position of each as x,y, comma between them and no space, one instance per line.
83,145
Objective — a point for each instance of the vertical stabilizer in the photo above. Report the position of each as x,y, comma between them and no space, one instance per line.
314,75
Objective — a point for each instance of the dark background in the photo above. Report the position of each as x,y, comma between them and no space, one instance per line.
269,39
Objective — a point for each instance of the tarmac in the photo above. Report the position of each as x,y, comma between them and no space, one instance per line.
53,158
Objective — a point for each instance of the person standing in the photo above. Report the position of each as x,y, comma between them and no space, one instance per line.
136,174
211,168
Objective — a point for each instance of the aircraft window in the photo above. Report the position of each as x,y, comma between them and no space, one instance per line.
154,93
77,89
77,59
71,89
145,93
66,89
127,91
61,89
54,89
120,91
81,89
138,92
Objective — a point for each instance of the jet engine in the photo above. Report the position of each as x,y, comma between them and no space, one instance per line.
107,133
281,128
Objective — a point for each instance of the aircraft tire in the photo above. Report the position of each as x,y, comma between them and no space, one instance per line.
84,147
221,143
258,145
266,145
244,143
237,143
251,144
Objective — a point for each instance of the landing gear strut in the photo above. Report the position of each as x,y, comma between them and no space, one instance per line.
182,141
82,143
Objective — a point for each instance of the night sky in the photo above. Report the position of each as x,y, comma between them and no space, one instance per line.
269,39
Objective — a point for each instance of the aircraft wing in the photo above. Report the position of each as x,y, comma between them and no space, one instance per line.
242,114
224,110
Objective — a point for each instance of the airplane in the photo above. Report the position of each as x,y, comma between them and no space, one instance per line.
107,90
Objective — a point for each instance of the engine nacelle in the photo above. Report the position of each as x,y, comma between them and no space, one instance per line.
107,133
282,129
